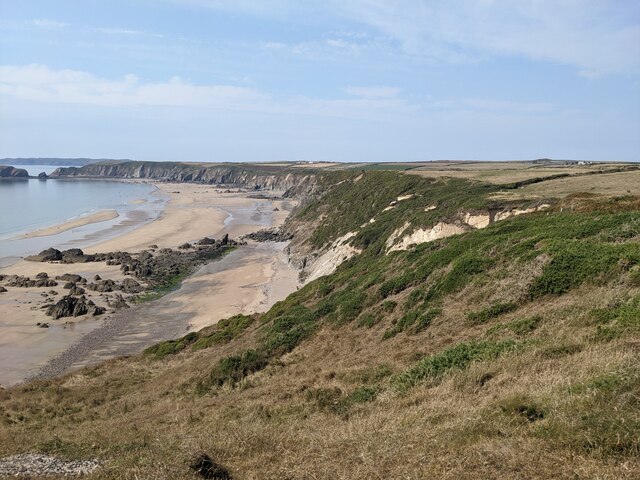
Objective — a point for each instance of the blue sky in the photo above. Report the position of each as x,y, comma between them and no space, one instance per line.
337,80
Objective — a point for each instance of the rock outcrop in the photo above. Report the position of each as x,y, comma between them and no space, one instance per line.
272,235
26,282
7,171
69,306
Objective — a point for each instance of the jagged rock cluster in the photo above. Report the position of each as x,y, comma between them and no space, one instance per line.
41,280
69,306
152,267
272,235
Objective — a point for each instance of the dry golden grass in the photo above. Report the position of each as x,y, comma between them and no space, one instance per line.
562,403
143,417
609,184
510,172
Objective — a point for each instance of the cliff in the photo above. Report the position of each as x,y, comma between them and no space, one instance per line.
66,162
7,171
294,183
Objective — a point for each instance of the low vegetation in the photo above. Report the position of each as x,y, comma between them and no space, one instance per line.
507,352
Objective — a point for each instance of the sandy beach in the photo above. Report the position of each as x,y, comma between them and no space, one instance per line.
101,216
250,279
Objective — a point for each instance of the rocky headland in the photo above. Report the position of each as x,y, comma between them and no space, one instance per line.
7,171
254,177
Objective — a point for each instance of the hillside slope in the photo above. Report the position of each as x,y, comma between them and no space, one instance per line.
509,351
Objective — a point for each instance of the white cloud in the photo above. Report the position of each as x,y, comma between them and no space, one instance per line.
117,31
594,36
47,23
39,83
373,92
42,84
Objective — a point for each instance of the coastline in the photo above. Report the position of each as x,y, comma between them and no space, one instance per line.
85,228
249,279
81,221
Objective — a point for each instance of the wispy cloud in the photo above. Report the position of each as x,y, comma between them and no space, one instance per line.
594,36
42,84
48,23
373,92
39,83
493,105
117,31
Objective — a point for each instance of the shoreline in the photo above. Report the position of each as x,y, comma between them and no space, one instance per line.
81,221
86,228
238,283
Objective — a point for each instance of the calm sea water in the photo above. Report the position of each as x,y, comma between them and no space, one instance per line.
27,205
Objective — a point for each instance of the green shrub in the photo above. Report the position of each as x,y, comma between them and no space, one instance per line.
225,331
486,314
573,263
403,323
332,399
235,368
458,357
367,320
171,347
389,306
524,326
617,321
426,318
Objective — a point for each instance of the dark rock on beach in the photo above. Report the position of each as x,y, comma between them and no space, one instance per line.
69,306
103,286
2,289
206,241
73,255
76,290
129,285
48,255
69,277
26,282
118,302
269,236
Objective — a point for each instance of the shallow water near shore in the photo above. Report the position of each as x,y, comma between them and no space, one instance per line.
33,204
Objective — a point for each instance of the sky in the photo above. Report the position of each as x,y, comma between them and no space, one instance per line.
330,80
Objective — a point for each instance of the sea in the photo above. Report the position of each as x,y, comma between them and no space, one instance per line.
28,205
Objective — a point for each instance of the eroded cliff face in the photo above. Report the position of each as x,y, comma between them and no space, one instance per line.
294,184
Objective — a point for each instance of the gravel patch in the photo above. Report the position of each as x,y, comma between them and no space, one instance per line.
28,464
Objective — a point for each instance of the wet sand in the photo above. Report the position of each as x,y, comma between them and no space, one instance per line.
101,216
249,279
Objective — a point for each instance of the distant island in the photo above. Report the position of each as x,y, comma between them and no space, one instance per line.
67,162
